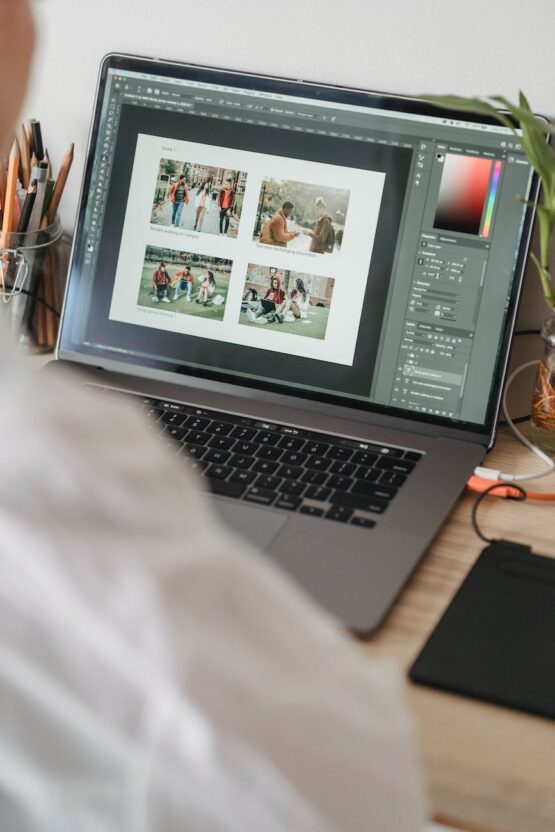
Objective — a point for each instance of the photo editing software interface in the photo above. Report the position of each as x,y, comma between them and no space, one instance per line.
325,248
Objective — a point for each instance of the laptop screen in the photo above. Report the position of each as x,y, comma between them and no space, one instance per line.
327,244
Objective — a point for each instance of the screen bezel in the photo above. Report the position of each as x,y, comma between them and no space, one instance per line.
330,93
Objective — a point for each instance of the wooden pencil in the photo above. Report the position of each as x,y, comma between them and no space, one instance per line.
25,162
9,207
48,162
3,166
29,133
60,184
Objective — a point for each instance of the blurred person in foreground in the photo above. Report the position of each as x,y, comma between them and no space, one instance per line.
153,678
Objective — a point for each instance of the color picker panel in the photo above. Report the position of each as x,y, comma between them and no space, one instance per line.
462,193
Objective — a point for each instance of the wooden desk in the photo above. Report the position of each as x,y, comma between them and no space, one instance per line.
489,769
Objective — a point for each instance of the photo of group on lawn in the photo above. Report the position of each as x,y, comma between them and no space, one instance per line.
286,301
301,217
192,284
198,198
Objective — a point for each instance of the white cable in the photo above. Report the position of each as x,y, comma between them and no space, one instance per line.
492,474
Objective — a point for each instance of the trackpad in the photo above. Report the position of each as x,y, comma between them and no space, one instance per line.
258,525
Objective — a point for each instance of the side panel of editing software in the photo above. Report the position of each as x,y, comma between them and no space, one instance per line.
456,263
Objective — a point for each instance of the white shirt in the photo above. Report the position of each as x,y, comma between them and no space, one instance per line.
156,673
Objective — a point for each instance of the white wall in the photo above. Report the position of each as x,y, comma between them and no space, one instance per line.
463,46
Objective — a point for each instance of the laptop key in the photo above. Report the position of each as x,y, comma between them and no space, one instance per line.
399,466
197,451
196,423
291,443
245,477
293,458
314,511
412,456
291,472
265,466
222,443
268,452
247,448
315,477
240,461
348,500
340,483
288,502
218,472
261,496
175,433
340,513
171,418
241,432
220,428
368,474
266,437
226,488
339,452
198,437
369,489
318,463
268,483
292,487
344,469
391,478
214,455
315,447
364,458
316,492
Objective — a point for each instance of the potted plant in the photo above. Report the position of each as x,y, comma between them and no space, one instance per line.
532,134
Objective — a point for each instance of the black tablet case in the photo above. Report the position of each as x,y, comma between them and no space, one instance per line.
496,641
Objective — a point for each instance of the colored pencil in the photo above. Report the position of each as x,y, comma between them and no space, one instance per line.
49,163
11,185
60,185
3,166
29,134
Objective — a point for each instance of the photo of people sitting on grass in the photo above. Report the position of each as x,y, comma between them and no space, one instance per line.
184,282
286,301
199,198
301,217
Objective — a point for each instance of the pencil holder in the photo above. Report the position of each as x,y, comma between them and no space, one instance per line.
33,268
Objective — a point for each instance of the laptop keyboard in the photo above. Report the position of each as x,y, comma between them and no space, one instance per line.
269,464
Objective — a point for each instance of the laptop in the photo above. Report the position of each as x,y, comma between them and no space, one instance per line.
338,434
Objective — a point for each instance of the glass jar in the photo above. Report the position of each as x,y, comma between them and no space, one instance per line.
543,399
33,269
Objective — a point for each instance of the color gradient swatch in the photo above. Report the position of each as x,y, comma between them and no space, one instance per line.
462,193
486,228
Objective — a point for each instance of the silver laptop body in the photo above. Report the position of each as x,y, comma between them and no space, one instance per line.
409,242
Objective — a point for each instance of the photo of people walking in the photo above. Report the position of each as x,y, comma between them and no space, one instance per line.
185,282
286,301
301,217
200,198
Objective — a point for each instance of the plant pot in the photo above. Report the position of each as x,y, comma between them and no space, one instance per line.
543,399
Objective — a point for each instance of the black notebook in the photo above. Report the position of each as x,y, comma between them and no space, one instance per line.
496,641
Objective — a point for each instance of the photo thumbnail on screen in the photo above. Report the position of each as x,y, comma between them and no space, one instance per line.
301,217
185,282
282,300
201,198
